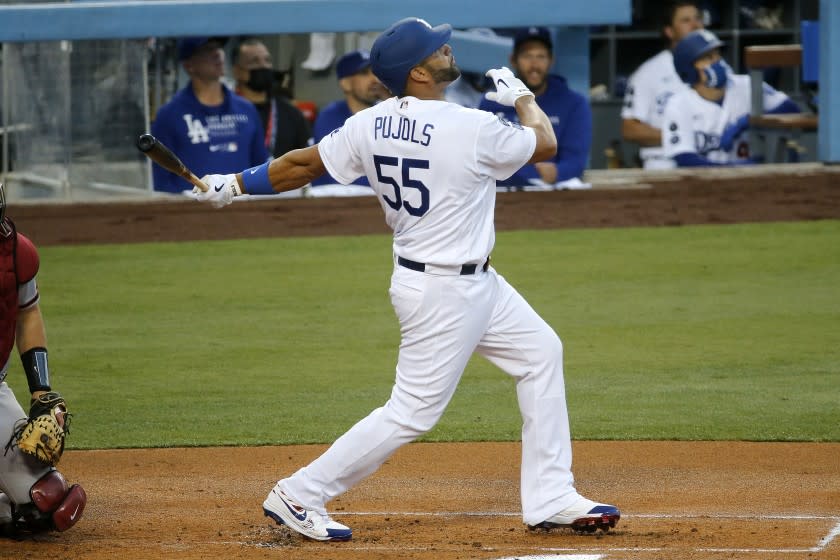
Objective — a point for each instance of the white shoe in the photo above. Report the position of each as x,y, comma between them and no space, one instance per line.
584,515
308,523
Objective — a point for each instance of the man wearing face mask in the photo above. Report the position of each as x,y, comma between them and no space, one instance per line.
285,126
705,125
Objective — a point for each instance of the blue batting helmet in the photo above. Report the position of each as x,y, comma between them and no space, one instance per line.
403,46
690,48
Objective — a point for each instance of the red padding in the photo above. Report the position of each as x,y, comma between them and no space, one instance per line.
71,509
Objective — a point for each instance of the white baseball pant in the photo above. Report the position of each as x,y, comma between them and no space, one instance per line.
443,320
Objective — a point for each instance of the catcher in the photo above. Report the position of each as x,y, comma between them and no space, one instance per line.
34,497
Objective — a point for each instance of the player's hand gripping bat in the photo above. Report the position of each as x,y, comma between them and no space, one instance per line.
164,157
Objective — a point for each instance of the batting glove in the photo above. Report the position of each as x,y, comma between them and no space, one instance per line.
221,190
509,88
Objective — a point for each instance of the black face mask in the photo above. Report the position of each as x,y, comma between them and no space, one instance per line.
260,79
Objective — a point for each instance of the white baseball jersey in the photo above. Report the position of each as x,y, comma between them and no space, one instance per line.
438,196
648,89
693,124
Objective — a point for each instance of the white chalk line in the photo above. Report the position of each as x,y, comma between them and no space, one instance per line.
780,516
823,543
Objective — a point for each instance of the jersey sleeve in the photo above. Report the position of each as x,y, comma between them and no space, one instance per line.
28,294
503,146
637,99
27,263
677,128
338,152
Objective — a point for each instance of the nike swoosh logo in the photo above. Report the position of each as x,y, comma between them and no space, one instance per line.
294,511
73,517
501,81
218,188
253,171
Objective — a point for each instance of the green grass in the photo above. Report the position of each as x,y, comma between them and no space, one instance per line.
711,332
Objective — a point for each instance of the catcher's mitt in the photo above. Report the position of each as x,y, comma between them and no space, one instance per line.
42,434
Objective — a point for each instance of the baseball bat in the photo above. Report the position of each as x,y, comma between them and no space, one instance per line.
163,156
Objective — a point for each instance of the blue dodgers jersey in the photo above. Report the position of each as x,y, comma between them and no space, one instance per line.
222,139
571,118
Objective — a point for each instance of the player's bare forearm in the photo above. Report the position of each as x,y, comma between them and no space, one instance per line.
532,116
30,331
293,169
641,133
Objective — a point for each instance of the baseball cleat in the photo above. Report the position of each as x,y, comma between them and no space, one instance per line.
584,516
308,523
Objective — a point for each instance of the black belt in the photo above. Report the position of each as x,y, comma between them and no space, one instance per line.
466,269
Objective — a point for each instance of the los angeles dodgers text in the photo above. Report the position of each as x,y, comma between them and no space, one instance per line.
405,129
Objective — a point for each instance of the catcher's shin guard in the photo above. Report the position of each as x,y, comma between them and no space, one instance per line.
54,506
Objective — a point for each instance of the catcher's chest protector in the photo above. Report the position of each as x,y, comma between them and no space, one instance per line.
8,296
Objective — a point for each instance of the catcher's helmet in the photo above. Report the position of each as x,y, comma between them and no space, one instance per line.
690,48
403,46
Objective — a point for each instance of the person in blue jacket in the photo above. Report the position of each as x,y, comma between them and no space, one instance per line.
209,127
361,90
568,111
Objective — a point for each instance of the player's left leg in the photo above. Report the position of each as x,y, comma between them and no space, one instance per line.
522,344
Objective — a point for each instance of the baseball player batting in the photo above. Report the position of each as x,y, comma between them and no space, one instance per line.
705,125
34,497
434,167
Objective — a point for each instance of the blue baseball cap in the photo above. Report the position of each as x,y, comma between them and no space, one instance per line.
352,63
541,34
188,45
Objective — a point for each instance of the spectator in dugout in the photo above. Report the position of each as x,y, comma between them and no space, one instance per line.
361,90
285,126
209,127
568,111
705,124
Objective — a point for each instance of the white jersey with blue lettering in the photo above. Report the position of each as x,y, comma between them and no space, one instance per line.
648,90
434,167
693,124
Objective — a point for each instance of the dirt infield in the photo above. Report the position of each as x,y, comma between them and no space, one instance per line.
680,500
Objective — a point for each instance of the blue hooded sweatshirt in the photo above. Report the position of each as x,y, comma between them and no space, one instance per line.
223,139
571,118
329,118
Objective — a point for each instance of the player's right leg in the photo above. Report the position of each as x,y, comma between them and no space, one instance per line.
522,344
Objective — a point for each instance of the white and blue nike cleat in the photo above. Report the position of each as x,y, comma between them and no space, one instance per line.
308,523
584,516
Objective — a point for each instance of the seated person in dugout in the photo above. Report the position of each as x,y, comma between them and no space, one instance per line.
361,90
568,111
705,124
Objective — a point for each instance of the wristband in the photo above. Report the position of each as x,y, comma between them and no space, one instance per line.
255,180
37,370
